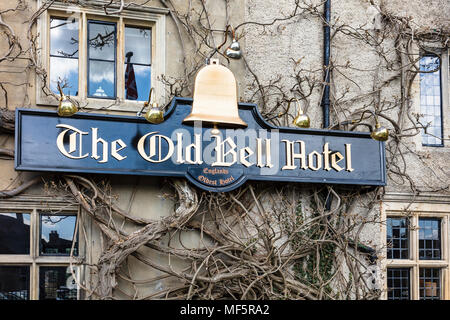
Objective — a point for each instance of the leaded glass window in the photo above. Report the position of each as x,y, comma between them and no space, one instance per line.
34,250
429,239
101,59
14,282
397,238
398,283
138,44
56,283
430,283
430,101
14,233
64,55
57,234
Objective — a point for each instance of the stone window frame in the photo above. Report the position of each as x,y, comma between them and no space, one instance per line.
34,205
429,206
149,17
444,54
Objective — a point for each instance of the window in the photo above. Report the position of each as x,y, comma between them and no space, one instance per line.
397,238
64,54
431,101
103,61
417,259
138,63
34,249
398,283
429,239
430,283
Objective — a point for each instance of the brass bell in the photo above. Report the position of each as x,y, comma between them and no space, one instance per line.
302,119
380,133
215,97
234,50
154,115
66,108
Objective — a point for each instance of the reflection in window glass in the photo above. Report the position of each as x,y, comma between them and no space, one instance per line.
56,283
14,283
57,233
430,100
398,283
102,60
397,238
14,233
64,54
430,284
137,63
429,239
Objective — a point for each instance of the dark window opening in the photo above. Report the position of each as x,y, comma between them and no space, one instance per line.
14,233
398,283
430,283
429,239
397,238
56,283
14,283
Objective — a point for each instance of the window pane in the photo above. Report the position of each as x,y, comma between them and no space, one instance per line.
102,41
101,79
398,284
14,233
65,70
138,63
138,41
137,82
14,282
430,283
429,239
64,55
57,233
56,283
397,238
430,100
64,37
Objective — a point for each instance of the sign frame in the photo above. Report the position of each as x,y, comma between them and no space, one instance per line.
180,102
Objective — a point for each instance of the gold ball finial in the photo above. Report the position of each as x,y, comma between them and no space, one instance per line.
154,115
301,120
66,108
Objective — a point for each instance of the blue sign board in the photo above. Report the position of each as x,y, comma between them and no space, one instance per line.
111,144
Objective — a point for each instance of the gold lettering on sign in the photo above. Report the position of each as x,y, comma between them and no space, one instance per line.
197,147
291,155
180,148
326,157
152,145
221,154
348,157
115,150
95,141
243,157
318,161
72,142
334,161
259,157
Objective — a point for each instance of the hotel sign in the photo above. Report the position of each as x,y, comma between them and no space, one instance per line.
110,144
